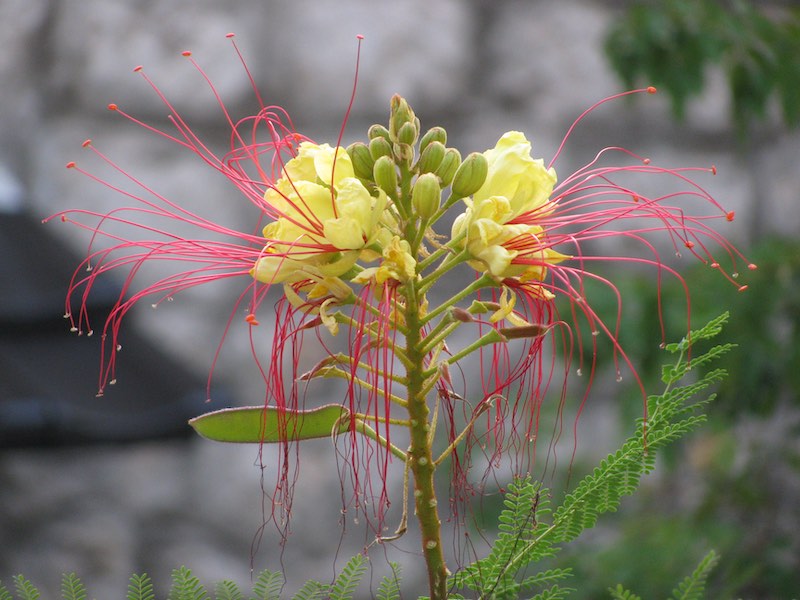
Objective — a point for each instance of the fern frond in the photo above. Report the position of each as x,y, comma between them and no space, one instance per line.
389,589
710,330
140,587
72,587
227,590
620,593
693,587
347,581
185,586
268,585
311,590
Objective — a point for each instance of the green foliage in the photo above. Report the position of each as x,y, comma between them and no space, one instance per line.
389,588
185,586
670,44
227,590
348,579
311,590
530,531
268,585
72,588
25,589
140,587
694,586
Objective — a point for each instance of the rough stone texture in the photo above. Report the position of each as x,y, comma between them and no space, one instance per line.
479,68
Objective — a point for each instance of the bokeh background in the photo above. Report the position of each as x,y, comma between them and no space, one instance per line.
729,75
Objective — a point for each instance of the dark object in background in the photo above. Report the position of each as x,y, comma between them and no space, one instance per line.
49,376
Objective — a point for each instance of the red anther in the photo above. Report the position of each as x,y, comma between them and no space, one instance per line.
137,68
646,161
713,169
635,197
651,90
251,318
359,37
689,244
63,218
71,164
86,143
752,266
742,288
112,106
186,53
715,265
730,216
230,35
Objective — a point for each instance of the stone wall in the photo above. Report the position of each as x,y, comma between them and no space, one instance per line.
478,68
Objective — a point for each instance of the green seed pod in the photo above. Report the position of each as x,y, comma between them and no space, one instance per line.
379,147
385,175
362,160
449,165
431,157
434,134
426,195
376,131
470,175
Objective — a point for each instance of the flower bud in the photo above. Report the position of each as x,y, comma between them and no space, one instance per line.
408,134
385,175
362,160
379,147
470,175
449,165
376,131
431,157
426,195
400,114
434,134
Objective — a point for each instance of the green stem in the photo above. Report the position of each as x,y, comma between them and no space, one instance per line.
420,456
483,281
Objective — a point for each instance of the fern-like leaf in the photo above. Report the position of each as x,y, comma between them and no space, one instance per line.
348,579
693,587
140,587
72,587
25,589
311,590
185,586
4,593
227,590
268,585
620,593
553,593
389,589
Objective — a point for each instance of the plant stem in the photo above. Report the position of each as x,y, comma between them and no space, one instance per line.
420,457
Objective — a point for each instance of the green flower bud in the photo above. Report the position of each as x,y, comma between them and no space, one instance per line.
379,147
426,195
431,157
470,175
404,153
434,134
385,175
362,160
449,165
400,114
376,131
408,134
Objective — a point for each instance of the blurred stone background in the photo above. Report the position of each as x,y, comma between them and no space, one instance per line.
476,67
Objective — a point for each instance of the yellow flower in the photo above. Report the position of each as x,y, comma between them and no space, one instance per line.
326,217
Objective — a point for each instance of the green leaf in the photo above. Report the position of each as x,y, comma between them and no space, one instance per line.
693,587
185,586
72,588
227,590
311,590
348,579
390,584
268,585
140,587
257,424
25,589
4,593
